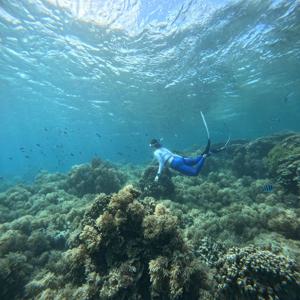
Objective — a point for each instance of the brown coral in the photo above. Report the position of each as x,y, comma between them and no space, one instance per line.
127,250
97,177
253,273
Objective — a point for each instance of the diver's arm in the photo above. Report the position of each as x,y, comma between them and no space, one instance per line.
160,168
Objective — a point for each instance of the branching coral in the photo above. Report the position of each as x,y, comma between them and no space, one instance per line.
209,250
252,273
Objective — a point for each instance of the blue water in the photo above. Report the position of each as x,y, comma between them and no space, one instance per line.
86,78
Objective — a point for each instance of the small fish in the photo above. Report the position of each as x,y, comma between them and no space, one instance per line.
98,135
287,98
72,154
267,188
27,157
45,129
22,149
119,153
38,145
80,152
275,119
10,158
65,132
1,177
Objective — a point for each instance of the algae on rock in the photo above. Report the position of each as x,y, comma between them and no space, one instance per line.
125,249
97,177
284,163
163,188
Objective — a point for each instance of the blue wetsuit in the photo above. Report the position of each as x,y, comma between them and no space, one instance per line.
188,166
185,165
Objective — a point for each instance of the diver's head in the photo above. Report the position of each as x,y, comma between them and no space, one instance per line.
154,143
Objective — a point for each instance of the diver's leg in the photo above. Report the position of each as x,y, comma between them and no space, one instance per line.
189,161
200,164
179,165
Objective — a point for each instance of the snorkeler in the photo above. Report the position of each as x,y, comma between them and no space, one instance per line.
185,165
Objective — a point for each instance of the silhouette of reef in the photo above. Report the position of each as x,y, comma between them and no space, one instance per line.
164,188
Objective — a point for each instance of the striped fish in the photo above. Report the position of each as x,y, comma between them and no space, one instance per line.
267,188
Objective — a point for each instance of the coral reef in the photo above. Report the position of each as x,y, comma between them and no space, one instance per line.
14,273
247,158
97,177
219,235
252,273
5,184
284,163
209,251
164,188
35,224
130,250
286,222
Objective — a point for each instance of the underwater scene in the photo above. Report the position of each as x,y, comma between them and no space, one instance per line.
150,149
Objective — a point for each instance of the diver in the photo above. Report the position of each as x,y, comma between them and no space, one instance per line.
185,165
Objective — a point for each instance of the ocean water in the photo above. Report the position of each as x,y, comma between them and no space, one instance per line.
86,78
85,85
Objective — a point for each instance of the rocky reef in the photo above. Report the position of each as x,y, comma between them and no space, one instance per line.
127,249
97,177
284,163
89,234
251,273
164,188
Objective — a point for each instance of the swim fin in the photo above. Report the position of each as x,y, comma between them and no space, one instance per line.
205,124
221,148
207,148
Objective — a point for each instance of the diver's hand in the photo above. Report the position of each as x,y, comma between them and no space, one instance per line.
156,178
